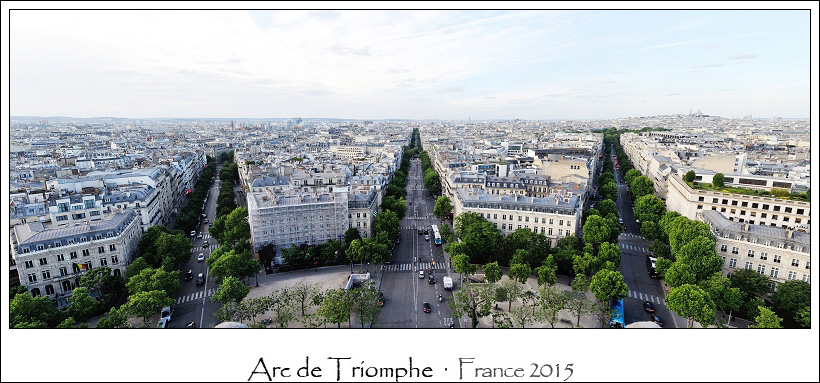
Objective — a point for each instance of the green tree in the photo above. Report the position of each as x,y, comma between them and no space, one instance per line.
443,207
649,209
661,251
606,207
519,316
666,222
766,319
39,311
473,301
608,191
461,264
281,301
610,252
717,180
303,293
630,175
549,301
547,272
692,303
596,230
357,252
608,285
803,317
335,306
117,318
446,233
492,272
481,242
520,272
699,253
82,305
365,300
230,292
134,268
720,290
171,250
511,290
641,186
690,176
231,263
679,274
237,229
19,289
790,297
396,205
578,303
464,220
71,323
351,234
387,222
147,303
154,279
750,283
682,230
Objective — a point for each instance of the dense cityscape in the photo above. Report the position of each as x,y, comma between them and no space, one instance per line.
314,223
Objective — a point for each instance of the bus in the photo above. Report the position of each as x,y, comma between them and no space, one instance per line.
617,320
436,235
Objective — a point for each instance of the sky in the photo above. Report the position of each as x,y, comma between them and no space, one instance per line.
424,64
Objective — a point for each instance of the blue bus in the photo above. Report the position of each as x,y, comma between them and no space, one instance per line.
436,235
617,320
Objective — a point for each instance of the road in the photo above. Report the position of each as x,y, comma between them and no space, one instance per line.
404,290
193,303
634,250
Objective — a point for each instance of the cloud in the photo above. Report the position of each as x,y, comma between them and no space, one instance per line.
452,89
698,67
345,50
741,57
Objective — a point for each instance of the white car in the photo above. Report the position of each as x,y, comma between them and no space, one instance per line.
421,274
200,257
193,233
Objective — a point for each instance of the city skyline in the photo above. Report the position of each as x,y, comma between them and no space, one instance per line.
418,65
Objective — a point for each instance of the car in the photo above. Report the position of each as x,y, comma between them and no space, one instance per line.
647,305
421,231
166,313
189,275
204,215
426,231
206,220
431,279
426,237
190,325
210,224
205,245
657,320
426,307
199,236
163,323
193,233
421,274
200,279
200,257
620,220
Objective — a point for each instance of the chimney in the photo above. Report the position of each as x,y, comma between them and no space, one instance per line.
789,233
746,226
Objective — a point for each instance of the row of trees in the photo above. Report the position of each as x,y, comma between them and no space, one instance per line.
189,215
431,181
226,201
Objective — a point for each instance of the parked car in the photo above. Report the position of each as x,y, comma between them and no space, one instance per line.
200,279
647,305
426,307
189,275
166,313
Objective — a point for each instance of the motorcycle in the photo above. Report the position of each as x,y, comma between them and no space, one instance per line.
440,298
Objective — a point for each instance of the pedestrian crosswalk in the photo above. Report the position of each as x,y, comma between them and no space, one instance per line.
631,235
410,267
429,216
646,297
640,249
194,296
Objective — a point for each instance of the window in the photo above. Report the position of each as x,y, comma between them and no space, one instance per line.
29,264
792,275
763,215
46,274
43,261
503,216
733,262
519,218
32,278
748,266
561,222
761,269
526,219
776,207
808,265
85,252
57,244
773,272
795,262
743,212
503,226
734,203
800,211
39,247
117,273
700,199
714,200
725,202
550,221
765,206
560,232
776,259
744,204
495,216
734,250
806,278
700,207
774,216
723,210
723,248
103,262
60,257
73,255
101,249
764,256
751,253
732,211
549,231
63,271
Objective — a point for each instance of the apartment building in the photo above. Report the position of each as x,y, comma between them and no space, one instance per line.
778,253
555,217
50,261
752,209
289,218
361,210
